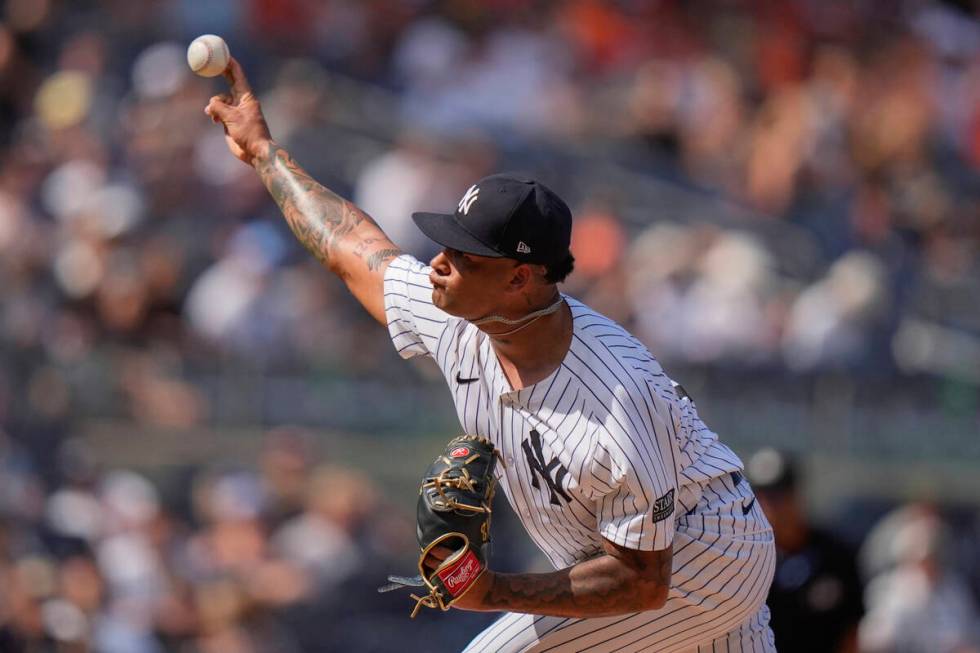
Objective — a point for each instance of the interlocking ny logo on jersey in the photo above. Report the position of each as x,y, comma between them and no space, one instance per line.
535,460
468,199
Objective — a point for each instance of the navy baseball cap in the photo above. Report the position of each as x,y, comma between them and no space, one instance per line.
504,216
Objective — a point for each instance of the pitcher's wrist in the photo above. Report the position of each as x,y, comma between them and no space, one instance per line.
260,151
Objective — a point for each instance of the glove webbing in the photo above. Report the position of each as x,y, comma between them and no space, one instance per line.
462,482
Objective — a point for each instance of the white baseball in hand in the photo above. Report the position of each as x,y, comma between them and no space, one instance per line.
208,55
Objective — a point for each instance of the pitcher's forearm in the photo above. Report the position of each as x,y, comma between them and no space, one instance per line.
330,227
343,237
602,586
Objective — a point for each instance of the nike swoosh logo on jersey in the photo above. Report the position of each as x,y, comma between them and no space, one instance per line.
463,381
748,506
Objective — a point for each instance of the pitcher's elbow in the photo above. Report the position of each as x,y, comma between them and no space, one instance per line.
658,599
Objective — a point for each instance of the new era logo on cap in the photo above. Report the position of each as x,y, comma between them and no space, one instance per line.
507,216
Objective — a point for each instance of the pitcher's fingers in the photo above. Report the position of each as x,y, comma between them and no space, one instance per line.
218,108
236,79
435,557
441,552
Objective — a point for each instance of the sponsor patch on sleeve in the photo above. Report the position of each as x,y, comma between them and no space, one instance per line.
663,507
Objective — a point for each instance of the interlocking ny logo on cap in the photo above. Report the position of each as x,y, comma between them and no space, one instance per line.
468,199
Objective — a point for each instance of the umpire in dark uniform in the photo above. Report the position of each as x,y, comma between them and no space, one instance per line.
816,595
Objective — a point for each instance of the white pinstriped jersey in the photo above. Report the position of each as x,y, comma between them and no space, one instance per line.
602,448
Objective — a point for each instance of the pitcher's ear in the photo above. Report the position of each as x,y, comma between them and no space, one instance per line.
520,276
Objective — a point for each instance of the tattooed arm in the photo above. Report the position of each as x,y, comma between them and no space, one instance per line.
344,238
618,581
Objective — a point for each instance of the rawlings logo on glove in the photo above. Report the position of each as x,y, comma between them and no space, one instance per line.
459,577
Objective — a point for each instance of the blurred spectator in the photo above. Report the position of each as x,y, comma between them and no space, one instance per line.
284,467
323,540
422,172
704,294
830,322
815,597
917,602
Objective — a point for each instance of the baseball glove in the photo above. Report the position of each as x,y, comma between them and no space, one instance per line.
453,513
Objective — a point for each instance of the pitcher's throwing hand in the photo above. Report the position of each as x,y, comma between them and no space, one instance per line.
246,131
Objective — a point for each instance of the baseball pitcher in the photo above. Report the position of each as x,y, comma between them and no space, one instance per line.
657,541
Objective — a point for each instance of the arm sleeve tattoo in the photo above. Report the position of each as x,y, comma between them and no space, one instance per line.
325,223
601,586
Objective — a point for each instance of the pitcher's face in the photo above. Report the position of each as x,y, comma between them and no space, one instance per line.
471,286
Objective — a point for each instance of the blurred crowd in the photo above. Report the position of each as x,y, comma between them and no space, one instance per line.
787,187
779,185
284,554
281,556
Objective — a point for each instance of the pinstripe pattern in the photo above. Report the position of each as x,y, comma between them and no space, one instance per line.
603,448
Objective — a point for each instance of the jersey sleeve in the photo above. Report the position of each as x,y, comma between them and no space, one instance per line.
414,323
633,478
